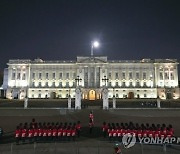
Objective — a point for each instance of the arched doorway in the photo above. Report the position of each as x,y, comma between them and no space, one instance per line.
130,95
92,95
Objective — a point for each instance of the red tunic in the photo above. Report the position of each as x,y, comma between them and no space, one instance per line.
73,132
35,132
17,133
40,132
24,133
54,132
30,133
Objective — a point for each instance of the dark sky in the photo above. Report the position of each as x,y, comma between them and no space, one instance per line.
63,29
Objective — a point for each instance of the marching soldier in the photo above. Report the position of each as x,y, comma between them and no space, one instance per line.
17,134
117,149
90,126
78,128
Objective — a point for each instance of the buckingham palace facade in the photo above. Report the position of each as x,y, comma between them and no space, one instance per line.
144,78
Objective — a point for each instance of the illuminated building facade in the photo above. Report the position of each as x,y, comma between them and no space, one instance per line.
124,78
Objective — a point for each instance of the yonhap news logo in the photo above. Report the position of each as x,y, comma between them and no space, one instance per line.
130,140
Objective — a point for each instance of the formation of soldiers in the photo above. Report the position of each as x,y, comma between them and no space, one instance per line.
116,131
34,131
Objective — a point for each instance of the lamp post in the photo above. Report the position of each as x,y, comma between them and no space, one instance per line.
94,44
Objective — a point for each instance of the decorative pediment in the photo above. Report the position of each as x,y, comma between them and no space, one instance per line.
91,59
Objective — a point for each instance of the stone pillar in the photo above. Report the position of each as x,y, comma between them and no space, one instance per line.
69,102
78,98
114,102
158,103
105,99
26,103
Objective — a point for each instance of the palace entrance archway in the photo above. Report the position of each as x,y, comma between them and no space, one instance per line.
92,95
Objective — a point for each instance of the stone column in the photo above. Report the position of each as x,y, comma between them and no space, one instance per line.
26,103
105,99
69,102
114,102
78,98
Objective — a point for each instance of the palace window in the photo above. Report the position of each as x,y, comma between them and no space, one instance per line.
33,84
40,75
123,75
109,75
13,76
116,75
137,75
161,76
33,76
19,76
60,75
23,76
144,75
67,84
47,76
39,84
130,75
123,84
67,75
172,75
54,75
46,84
166,76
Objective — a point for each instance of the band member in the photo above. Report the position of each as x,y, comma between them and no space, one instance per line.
59,132
40,133
91,116
78,128
73,133
104,129
117,149
30,134
17,134
90,126
54,133
24,134
35,133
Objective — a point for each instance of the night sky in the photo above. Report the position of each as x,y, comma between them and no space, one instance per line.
64,29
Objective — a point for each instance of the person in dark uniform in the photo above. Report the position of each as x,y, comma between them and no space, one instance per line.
117,149
90,126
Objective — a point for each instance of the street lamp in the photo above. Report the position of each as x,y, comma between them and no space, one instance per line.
94,44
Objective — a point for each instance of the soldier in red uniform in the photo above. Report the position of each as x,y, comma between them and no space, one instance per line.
104,129
60,132
91,116
54,133
78,128
90,126
40,133
17,134
30,134
45,133
64,134
68,131
24,134
49,133
73,133
35,133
